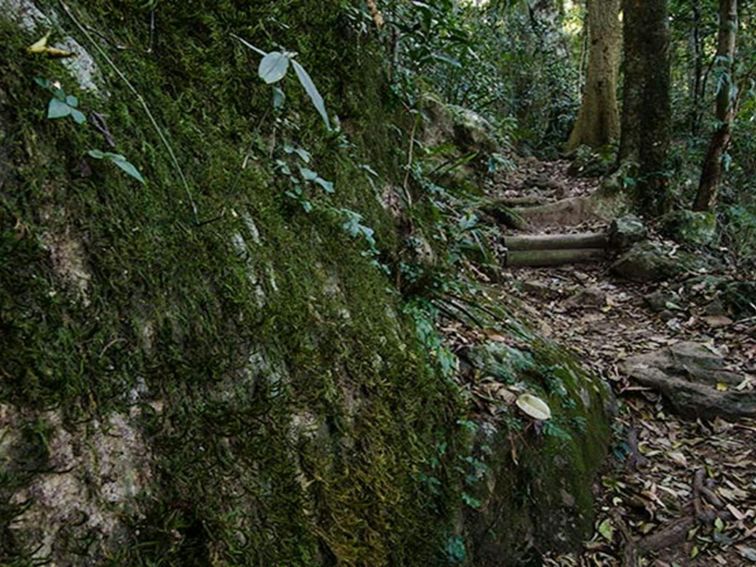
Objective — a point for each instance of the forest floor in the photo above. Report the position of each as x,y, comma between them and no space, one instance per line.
676,491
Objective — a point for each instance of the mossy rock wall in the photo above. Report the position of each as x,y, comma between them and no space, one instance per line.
232,386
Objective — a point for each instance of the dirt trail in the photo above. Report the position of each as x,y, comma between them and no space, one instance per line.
676,491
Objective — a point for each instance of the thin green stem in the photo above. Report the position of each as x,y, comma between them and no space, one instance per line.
142,102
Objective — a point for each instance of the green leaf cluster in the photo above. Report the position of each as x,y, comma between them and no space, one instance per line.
61,104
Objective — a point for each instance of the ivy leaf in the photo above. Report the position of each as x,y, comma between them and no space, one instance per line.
308,174
273,67
58,109
369,169
78,116
279,98
129,168
120,161
312,92
447,59
471,501
606,529
303,154
326,185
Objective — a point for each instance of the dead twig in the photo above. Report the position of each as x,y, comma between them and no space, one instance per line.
630,552
635,460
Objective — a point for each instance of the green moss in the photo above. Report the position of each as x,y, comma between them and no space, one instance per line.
176,306
690,227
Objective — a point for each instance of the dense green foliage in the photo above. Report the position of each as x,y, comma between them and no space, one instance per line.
501,60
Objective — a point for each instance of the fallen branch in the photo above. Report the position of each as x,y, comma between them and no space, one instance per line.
704,493
505,215
675,533
635,459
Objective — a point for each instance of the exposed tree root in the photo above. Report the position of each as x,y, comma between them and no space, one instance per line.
565,212
526,201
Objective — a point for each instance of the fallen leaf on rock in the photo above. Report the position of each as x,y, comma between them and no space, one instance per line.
534,406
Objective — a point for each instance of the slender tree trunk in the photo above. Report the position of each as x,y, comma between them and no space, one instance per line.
711,172
647,113
696,69
597,123
546,21
632,86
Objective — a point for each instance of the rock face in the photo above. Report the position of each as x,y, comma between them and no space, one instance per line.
243,385
694,380
472,131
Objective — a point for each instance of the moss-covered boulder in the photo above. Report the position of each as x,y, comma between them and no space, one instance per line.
690,227
535,470
654,261
458,146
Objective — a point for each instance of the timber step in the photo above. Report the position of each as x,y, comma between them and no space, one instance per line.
557,241
556,249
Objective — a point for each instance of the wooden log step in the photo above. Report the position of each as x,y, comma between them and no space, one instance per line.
557,241
537,258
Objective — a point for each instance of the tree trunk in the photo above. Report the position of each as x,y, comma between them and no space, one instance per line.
597,123
647,114
633,72
696,68
711,172
546,21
